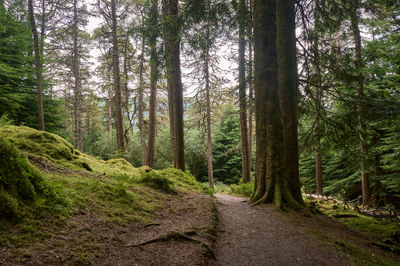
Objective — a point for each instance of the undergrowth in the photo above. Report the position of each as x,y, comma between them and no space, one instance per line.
383,232
241,189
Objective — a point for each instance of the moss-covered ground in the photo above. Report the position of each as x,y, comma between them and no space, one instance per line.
368,240
47,186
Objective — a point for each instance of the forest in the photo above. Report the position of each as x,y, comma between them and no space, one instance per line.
114,112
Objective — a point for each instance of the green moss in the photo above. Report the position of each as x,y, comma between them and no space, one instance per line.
115,191
157,181
377,229
19,181
41,143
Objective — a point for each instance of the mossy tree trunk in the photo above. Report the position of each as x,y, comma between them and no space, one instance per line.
271,165
38,65
288,91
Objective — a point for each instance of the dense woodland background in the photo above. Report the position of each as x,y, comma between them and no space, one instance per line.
114,102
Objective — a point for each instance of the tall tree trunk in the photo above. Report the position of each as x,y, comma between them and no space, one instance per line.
277,188
117,80
38,66
250,80
318,157
317,101
77,85
151,143
288,92
175,97
207,78
126,90
141,108
242,92
361,105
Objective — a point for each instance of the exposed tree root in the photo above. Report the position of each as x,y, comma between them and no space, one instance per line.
185,236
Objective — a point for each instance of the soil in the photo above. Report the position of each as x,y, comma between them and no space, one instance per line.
195,229
260,236
181,233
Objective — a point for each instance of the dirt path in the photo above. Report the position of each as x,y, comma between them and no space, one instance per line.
260,236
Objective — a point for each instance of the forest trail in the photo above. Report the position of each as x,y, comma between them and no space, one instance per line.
260,235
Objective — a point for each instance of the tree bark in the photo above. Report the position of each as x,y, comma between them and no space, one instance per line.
38,66
151,143
250,80
361,105
317,101
141,108
175,97
207,78
288,92
77,85
242,92
117,80
277,188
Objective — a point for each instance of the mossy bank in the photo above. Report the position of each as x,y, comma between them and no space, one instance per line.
47,186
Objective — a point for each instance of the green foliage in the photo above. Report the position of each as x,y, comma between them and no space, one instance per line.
5,121
227,155
16,73
195,153
243,189
18,98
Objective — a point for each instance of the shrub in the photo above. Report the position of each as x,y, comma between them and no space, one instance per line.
243,189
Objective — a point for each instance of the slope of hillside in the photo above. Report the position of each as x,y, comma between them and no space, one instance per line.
64,206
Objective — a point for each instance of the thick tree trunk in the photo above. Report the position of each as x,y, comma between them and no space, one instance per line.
117,80
277,188
242,92
288,91
141,108
38,66
361,105
151,143
77,86
207,78
175,97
